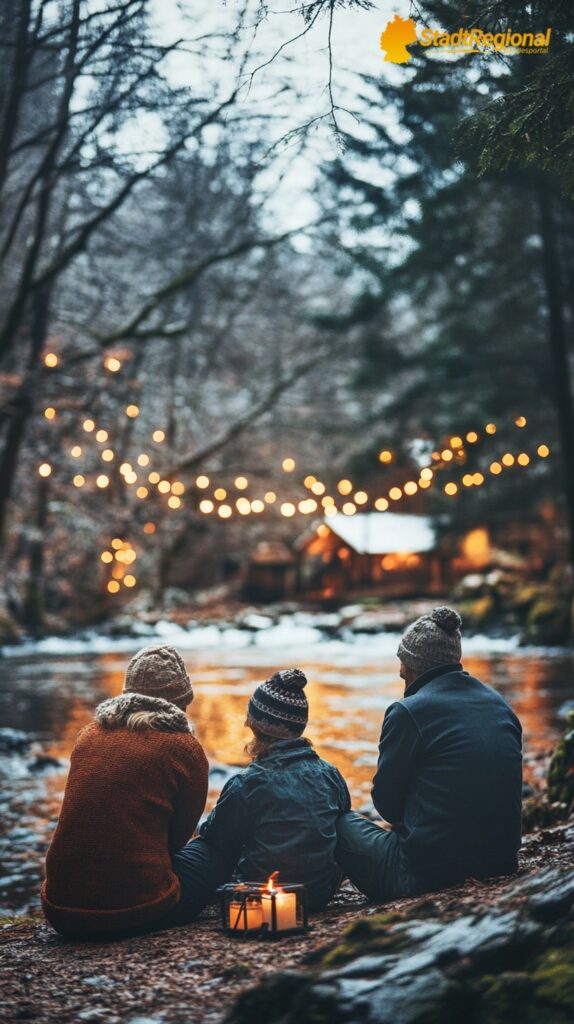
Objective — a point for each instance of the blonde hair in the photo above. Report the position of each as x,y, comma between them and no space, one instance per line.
140,721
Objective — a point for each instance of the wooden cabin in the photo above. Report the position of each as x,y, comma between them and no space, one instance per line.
271,572
373,552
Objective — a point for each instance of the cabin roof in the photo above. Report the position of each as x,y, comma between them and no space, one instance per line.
381,533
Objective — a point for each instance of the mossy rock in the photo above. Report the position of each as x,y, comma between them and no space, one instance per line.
525,595
561,771
479,612
368,935
548,620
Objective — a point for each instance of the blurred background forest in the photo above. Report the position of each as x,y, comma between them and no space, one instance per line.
255,278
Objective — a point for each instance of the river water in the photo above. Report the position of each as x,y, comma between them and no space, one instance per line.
50,692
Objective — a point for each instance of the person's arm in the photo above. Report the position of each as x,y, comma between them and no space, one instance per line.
226,827
400,741
343,792
190,798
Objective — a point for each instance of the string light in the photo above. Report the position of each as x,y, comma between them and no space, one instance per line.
88,426
472,436
112,364
102,480
424,482
490,428
51,360
149,528
76,451
344,487
178,487
478,479
270,497
107,557
164,486
132,411
243,506
257,506
495,468
45,469
287,509
361,498
456,442
349,509
224,511
318,488
143,459
241,482
446,455
202,482
395,493
117,543
158,436
154,478
288,465
50,413
410,487
206,506
508,459
385,456
142,492
130,581
309,481
381,504
520,421
113,586
523,459
543,451
79,480
107,455
427,473
174,501
102,435
467,480
219,493
450,488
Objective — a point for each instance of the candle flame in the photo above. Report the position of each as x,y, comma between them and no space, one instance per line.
271,882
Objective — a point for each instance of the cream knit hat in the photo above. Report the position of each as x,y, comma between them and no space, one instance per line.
159,672
432,640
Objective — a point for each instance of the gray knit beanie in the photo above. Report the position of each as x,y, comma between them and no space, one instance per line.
432,640
159,672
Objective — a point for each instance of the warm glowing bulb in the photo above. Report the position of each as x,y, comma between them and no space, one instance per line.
456,442
206,506
130,478
446,455
107,557
381,504
132,411
508,459
543,451
113,586
385,456
478,479
112,364
149,528
344,487
270,497
107,455
424,483
490,428
288,465
395,493
243,506
219,493
142,492
361,498
130,581
309,481
468,480
327,501
117,543
411,487
450,488
50,413
102,435
174,501
495,468
257,505
331,510
177,487
426,473
76,451
164,486
349,509
154,478
523,459
224,511
202,482
241,482
51,359
102,480
143,459
88,426
318,487
287,509
158,436
520,421
45,469
79,480
472,436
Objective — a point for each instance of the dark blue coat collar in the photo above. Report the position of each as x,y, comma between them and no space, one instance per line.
430,674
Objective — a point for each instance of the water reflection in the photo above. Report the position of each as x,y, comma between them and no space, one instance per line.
349,690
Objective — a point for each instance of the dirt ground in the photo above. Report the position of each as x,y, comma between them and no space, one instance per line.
192,974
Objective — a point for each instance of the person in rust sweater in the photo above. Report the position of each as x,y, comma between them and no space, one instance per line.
136,790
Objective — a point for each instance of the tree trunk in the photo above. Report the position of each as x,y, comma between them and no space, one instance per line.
34,604
558,341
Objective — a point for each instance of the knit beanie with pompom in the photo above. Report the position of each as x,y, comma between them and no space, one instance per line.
432,640
279,706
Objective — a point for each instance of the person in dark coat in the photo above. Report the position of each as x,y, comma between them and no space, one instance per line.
449,776
280,813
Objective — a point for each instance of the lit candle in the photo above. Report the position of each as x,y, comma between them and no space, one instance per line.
285,910
243,916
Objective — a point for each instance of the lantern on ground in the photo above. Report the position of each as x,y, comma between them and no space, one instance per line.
263,910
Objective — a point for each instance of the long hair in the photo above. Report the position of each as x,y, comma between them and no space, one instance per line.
139,721
261,743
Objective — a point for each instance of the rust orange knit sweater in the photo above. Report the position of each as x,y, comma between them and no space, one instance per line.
132,799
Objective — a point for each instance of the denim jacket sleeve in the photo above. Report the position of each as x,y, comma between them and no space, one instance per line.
400,741
226,826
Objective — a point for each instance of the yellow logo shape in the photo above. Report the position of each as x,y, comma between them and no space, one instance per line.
399,34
